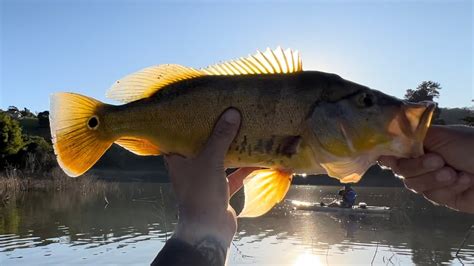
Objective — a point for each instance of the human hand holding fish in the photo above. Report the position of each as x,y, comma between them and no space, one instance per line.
444,175
203,192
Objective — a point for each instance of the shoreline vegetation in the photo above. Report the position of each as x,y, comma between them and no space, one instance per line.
28,163
14,182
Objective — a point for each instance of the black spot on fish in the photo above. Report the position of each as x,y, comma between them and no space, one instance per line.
269,145
290,146
278,149
243,145
93,122
259,146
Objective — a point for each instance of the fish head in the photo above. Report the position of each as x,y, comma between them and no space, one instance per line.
353,120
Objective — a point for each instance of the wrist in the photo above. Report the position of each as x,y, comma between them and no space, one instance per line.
194,226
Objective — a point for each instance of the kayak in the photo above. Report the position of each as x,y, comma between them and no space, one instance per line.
316,206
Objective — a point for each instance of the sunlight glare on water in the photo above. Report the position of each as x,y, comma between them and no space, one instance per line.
307,259
62,228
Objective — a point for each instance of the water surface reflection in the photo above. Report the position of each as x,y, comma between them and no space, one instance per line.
47,228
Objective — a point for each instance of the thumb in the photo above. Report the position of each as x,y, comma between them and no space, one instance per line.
223,134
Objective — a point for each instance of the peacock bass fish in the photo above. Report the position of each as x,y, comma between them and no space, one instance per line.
293,121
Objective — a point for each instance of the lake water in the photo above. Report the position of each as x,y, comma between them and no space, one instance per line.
64,228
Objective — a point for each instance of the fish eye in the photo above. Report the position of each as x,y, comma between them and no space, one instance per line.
365,100
93,122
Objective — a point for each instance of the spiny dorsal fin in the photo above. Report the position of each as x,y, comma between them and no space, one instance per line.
146,82
268,62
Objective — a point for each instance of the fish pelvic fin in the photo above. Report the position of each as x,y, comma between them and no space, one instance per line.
263,189
77,137
142,147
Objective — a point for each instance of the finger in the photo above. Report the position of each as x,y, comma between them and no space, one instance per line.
224,133
448,195
433,180
388,161
465,201
236,179
173,160
415,166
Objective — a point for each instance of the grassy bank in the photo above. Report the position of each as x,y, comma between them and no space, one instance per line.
14,182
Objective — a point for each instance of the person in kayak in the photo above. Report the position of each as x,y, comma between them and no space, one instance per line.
348,197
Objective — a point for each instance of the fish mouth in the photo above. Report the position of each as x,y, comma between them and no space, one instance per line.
416,119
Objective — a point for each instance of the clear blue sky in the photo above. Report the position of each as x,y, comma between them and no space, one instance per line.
84,46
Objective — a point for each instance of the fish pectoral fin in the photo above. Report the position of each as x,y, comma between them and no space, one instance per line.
138,146
348,170
269,62
263,189
146,82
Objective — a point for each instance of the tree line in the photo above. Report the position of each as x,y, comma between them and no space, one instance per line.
25,141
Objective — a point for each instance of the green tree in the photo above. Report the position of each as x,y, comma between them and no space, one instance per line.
10,135
469,120
43,119
426,91
13,112
26,113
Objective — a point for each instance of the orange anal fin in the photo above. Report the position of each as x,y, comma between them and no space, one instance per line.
138,146
263,189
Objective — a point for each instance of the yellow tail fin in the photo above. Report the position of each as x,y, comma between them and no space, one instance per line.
76,132
263,189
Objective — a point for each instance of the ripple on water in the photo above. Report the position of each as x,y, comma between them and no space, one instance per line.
130,231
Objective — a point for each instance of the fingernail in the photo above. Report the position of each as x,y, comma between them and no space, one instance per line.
232,116
443,175
432,162
464,180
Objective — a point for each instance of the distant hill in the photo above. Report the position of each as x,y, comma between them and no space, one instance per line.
455,115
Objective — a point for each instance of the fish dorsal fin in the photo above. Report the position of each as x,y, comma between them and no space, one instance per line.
268,62
147,81
138,146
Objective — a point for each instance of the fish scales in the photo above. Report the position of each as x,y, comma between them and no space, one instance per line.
179,118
